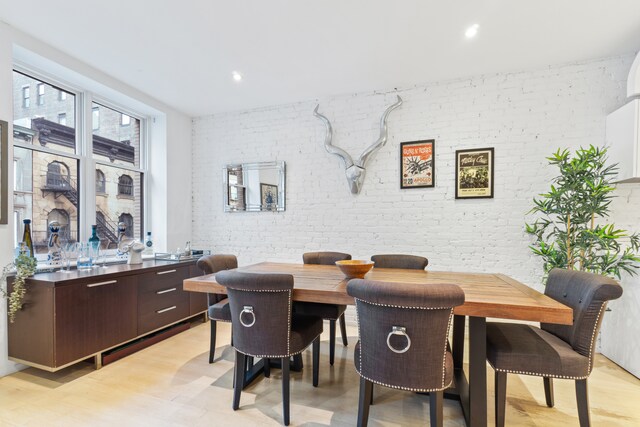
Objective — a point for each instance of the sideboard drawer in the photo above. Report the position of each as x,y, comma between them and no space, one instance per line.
163,279
149,302
161,315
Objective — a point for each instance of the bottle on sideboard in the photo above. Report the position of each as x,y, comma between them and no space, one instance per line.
26,236
94,240
148,244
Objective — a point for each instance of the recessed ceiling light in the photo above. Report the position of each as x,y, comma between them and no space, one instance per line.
472,31
236,76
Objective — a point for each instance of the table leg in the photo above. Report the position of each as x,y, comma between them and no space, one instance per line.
477,371
255,370
457,348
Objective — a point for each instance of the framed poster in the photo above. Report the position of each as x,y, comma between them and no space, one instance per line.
268,196
417,168
474,173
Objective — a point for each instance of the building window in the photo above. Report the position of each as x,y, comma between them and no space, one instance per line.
48,158
95,118
128,221
100,182
125,120
62,217
26,97
41,94
125,186
57,175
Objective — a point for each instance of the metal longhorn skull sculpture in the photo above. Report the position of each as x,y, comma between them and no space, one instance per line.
355,171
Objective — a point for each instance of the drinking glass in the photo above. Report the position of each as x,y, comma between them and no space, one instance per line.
69,254
84,256
102,258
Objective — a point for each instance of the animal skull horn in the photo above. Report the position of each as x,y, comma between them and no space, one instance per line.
355,170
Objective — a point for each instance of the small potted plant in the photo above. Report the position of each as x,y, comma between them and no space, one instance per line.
24,266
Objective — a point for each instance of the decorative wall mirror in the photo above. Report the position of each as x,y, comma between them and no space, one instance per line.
4,172
254,187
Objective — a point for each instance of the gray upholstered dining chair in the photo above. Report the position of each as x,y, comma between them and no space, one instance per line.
218,304
554,351
403,330
330,312
411,262
264,326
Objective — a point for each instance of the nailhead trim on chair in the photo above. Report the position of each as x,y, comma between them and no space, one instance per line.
271,356
537,374
444,356
402,306
593,336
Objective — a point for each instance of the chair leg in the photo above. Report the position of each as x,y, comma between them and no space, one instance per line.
582,396
343,330
501,397
548,391
212,344
363,404
371,400
316,360
266,368
285,390
435,408
238,382
332,341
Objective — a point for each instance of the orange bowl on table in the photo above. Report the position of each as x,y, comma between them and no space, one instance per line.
355,268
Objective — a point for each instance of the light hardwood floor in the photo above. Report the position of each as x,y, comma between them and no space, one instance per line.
171,384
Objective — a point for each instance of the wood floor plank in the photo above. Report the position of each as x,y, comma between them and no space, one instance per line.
172,384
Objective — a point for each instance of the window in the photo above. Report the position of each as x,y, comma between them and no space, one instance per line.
125,186
26,97
57,175
95,118
100,182
125,120
40,93
49,153
117,150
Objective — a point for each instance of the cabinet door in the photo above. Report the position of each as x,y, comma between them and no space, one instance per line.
197,300
94,315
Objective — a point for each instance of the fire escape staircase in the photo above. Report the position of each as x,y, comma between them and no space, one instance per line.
62,185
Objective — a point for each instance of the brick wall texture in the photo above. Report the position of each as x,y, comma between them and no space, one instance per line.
525,116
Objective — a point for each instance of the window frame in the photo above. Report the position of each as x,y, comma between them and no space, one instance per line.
83,154
26,96
40,93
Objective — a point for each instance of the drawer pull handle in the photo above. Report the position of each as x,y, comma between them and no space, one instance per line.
166,291
164,310
108,282
166,272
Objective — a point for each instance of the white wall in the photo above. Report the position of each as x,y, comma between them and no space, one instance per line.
524,115
170,146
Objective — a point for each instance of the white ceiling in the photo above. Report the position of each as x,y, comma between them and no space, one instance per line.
183,52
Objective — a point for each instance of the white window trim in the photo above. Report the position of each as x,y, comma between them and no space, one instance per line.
84,146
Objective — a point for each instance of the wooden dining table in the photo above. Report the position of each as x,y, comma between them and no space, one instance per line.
486,296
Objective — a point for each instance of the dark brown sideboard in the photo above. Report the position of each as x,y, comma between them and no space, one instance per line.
69,317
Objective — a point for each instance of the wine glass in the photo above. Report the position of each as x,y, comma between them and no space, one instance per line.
69,254
102,258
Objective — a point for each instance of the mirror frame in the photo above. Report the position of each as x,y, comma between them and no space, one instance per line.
4,172
278,165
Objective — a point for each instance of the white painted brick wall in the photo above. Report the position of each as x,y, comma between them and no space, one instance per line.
524,115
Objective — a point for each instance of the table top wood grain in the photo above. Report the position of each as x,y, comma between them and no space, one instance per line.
486,295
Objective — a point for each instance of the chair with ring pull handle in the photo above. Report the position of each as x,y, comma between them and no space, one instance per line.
264,326
403,330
